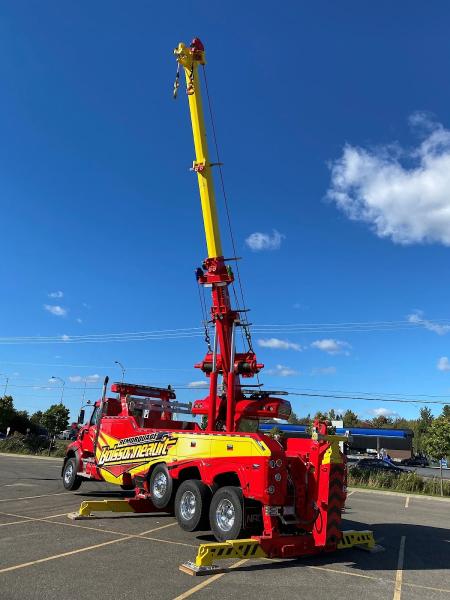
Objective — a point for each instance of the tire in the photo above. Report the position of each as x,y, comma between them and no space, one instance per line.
226,514
71,481
191,505
161,486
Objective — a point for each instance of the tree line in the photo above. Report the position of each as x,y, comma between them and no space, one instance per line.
51,421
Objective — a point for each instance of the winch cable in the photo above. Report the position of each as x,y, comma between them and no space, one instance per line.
244,320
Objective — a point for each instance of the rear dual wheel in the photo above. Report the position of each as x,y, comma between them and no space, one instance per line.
226,513
191,505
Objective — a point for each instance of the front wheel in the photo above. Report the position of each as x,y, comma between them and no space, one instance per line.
161,486
191,505
226,514
71,481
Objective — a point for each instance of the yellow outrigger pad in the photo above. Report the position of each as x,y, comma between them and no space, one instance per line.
250,548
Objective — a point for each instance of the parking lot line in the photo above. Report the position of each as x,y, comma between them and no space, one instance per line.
79,550
399,574
407,502
208,581
341,572
32,497
110,531
26,519
427,587
62,555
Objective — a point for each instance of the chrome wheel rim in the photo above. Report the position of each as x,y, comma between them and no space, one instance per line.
160,485
188,505
225,515
68,474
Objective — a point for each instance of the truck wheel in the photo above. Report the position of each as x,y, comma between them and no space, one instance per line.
191,505
71,481
161,486
226,513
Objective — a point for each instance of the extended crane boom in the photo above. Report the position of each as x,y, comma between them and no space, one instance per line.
214,272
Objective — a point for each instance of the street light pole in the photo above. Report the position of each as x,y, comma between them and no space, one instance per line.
62,387
117,362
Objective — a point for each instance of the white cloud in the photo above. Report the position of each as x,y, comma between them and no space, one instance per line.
325,371
443,364
382,412
409,202
79,320
65,337
89,378
279,344
282,371
331,346
264,241
198,384
417,318
57,294
56,310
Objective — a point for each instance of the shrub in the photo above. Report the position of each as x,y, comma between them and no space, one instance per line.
32,444
404,482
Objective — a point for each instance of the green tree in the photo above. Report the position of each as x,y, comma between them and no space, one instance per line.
436,442
381,421
332,414
421,427
7,412
56,418
350,419
294,419
36,418
446,411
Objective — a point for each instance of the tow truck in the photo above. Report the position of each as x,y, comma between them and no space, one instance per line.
225,476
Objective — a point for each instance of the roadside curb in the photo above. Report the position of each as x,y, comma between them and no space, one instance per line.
401,494
31,456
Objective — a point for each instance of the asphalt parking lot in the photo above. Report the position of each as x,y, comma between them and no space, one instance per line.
44,555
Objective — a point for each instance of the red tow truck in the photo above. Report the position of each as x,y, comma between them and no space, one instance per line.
288,493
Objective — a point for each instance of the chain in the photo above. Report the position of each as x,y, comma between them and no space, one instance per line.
176,83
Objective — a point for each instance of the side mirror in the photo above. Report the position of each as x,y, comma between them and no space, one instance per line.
81,417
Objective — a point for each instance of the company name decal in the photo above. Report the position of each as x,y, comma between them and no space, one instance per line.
136,448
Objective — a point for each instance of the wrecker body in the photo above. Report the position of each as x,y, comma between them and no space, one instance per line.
288,493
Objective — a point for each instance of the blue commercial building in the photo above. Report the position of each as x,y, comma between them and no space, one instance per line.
397,441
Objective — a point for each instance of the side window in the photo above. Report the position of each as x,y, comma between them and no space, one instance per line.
95,416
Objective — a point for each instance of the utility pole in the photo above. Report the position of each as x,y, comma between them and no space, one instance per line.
6,382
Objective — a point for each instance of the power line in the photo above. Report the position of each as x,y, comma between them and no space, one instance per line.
191,332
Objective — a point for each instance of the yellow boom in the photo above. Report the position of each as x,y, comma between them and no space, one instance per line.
189,58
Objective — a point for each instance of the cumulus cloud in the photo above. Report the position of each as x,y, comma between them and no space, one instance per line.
89,378
277,344
264,241
58,294
331,346
282,371
382,412
324,371
197,384
417,318
443,364
403,194
56,310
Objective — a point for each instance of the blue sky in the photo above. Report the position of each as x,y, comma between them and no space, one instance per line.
332,120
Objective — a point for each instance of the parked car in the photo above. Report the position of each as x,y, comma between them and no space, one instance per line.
415,461
378,465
